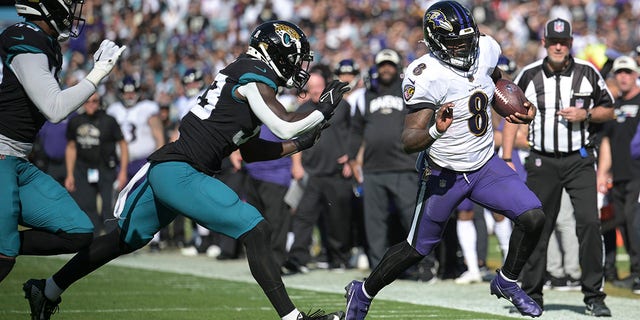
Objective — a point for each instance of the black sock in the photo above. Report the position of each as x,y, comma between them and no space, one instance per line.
265,269
394,262
524,238
44,243
102,250
6,264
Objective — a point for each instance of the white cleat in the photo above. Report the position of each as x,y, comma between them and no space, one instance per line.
469,277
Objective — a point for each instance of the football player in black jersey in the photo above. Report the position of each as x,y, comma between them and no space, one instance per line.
180,177
29,95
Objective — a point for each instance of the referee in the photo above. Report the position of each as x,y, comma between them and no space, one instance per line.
570,96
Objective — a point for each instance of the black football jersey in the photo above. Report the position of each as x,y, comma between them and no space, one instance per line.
20,119
219,123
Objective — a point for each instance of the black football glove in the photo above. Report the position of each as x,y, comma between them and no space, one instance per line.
331,97
309,138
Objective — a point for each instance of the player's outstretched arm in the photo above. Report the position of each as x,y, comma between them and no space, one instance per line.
257,149
264,104
35,76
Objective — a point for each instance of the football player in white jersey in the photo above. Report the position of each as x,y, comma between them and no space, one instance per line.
448,93
140,123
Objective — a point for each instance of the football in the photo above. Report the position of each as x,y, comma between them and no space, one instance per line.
508,98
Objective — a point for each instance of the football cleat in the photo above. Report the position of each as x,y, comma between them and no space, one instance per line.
502,288
41,307
320,315
468,277
598,309
357,302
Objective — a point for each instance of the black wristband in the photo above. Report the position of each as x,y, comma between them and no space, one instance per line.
507,159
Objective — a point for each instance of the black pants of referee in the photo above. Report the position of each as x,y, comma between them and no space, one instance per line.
329,196
86,194
546,176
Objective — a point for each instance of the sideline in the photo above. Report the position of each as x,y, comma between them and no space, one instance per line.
475,297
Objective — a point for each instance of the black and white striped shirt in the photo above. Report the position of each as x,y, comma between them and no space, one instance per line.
579,85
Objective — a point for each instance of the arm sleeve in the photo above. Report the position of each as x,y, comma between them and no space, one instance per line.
54,103
281,128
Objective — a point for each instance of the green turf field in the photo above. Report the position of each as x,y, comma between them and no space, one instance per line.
121,293
167,285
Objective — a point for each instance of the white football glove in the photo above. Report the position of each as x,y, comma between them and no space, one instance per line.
104,59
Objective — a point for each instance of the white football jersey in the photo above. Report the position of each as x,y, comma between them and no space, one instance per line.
468,143
134,123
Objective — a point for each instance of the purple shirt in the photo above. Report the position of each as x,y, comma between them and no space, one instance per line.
53,139
635,145
276,171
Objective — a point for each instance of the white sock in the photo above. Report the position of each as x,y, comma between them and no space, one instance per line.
156,238
467,237
489,220
51,290
365,292
293,315
503,233
506,278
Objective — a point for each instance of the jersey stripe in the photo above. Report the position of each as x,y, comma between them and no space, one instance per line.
579,87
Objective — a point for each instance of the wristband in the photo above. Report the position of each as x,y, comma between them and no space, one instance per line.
434,133
507,160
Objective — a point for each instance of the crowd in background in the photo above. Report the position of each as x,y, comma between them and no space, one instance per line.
165,38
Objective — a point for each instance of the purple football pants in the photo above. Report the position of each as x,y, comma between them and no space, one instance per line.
495,186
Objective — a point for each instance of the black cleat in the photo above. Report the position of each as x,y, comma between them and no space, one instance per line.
41,307
320,315
598,309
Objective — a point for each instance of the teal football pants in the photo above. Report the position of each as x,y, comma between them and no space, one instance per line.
32,198
173,188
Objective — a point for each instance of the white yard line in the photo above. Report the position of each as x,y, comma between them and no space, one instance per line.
476,297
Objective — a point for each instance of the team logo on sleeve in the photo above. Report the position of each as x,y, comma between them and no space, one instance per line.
438,20
287,34
408,91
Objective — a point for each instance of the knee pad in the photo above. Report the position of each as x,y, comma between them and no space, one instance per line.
531,221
